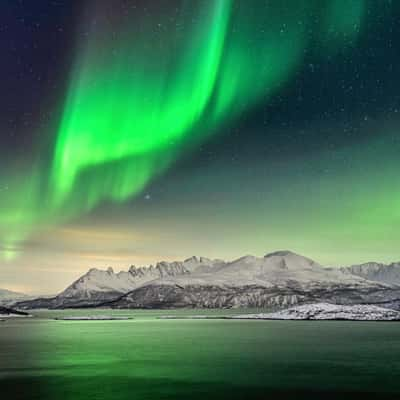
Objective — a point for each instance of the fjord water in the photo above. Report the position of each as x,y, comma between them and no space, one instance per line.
150,358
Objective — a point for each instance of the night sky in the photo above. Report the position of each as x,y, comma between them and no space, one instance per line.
135,131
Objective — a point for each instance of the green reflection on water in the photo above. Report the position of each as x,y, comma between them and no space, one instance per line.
148,358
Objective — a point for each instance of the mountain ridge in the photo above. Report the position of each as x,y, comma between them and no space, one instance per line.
380,272
278,278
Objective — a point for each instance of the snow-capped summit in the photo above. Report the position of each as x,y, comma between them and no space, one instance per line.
385,273
290,259
281,278
275,269
98,286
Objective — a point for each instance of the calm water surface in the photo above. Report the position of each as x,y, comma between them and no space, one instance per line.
148,358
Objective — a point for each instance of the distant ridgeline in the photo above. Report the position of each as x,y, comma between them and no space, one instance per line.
279,279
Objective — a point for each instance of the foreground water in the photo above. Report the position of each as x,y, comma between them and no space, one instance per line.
149,358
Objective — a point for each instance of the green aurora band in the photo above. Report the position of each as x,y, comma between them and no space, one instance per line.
139,95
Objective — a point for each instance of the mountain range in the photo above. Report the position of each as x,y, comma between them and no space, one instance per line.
278,279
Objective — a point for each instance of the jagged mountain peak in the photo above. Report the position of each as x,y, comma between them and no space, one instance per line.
195,261
283,273
103,283
374,271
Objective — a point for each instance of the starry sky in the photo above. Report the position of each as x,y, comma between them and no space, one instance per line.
134,131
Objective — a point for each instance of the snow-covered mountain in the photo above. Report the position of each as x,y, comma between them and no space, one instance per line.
282,278
99,286
278,269
386,273
98,281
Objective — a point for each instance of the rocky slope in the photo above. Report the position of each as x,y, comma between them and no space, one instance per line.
326,311
166,296
279,279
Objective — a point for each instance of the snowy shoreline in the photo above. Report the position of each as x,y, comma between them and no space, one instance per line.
314,312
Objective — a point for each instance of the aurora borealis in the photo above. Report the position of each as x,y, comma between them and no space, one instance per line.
260,124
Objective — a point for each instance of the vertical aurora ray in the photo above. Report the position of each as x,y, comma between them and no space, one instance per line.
125,107
138,98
